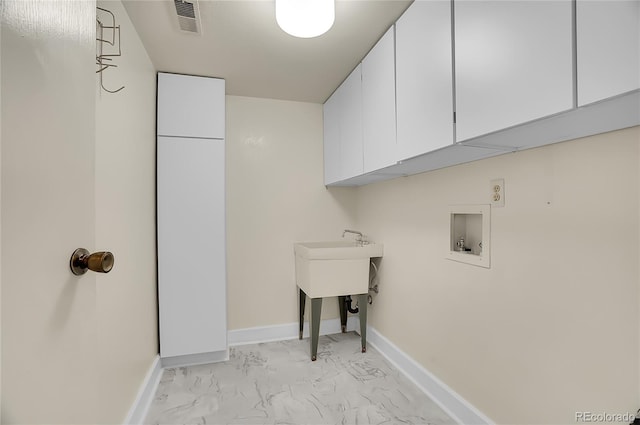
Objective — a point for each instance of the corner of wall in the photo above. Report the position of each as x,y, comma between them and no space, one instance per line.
125,220
146,392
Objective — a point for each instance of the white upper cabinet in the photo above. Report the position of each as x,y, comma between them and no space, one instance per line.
608,41
351,125
343,130
459,80
331,128
190,106
378,105
424,74
513,63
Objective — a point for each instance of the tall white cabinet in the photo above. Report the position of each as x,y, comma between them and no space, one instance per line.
191,219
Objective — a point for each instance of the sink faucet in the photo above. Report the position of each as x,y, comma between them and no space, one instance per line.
360,239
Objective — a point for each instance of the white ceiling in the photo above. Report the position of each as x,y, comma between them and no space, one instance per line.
241,42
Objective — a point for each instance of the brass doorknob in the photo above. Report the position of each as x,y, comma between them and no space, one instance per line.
81,260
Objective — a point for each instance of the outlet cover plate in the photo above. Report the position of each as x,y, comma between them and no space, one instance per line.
497,193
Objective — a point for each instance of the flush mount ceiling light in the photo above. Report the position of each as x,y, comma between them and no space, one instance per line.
305,18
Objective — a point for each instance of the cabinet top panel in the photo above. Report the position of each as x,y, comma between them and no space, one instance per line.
190,106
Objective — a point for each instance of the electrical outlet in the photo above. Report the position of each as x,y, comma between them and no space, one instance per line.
497,193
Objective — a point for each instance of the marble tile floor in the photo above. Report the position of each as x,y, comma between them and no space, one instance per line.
276,383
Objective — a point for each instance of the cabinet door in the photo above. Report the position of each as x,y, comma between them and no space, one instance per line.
331,125
191,246
191,106
350,98
379,105
513,63
424,79
608,48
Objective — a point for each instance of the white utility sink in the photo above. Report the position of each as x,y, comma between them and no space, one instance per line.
335,268
337,250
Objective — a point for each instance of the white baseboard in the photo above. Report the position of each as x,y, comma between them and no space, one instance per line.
195,359
451,402
285,331
146,392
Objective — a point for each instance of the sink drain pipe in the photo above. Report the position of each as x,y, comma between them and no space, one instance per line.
373,286
350,309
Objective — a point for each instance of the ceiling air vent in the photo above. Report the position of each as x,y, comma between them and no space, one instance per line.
188,15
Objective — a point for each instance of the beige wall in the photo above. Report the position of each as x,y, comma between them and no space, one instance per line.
552,327
275,197
126,299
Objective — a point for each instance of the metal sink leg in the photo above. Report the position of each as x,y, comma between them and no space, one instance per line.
316,309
